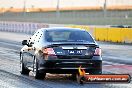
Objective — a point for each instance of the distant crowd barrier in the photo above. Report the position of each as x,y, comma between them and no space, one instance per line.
21,27
121,35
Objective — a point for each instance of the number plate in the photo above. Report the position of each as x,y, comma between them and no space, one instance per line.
75,52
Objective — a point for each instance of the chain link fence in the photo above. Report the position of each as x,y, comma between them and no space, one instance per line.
115,17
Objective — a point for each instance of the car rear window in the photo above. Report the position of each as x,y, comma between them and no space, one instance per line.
68,36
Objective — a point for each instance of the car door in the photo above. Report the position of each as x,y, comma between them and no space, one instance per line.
34,43
30,51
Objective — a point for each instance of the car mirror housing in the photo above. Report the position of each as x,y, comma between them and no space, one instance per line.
24,42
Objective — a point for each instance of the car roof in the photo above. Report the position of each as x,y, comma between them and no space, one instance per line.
61,28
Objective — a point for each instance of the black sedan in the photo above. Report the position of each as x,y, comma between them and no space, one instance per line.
60,50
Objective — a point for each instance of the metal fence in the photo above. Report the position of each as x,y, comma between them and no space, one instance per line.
115,17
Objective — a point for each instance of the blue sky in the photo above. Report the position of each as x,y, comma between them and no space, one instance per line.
63,3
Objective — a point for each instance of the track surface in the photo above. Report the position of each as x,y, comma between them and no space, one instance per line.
116,59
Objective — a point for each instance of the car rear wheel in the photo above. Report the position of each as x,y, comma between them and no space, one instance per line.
36,72
23,69
73,76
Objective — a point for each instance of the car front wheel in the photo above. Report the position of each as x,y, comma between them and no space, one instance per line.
23,69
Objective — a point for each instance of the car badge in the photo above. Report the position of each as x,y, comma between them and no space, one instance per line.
74,47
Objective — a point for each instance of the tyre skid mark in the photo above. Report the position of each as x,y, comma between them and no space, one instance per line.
118,68
23,79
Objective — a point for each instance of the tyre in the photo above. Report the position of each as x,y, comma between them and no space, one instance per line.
23,69
98,72
73,76
36,72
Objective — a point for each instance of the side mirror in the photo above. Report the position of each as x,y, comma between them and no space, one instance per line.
24,42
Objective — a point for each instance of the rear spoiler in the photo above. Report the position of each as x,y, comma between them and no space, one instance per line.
87,45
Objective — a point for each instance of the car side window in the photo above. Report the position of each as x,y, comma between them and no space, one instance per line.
33,38
37,38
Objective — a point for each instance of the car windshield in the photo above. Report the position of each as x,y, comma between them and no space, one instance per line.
68,36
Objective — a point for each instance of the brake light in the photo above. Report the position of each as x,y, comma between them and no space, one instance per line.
98,51
49,51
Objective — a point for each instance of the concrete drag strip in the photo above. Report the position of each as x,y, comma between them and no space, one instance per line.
19,81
